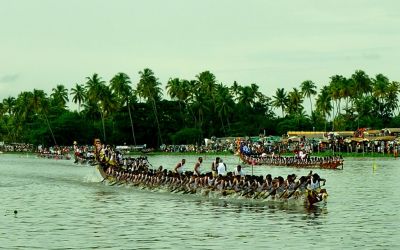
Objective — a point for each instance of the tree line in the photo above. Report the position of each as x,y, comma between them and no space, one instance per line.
120,111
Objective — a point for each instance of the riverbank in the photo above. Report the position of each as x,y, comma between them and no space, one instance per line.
227,153
319,154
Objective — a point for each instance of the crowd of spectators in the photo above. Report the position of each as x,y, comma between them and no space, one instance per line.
17,147
210,147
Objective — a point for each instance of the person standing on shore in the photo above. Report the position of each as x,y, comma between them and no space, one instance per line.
179,167
197,166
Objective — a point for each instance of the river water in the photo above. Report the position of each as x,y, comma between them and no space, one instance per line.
64,206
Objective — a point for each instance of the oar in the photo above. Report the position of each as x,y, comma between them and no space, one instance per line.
294,190
283,194
270,193
247,191
261,192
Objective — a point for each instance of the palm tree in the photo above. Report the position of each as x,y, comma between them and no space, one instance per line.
120,85
391,98
308,89
60,95
336,91
9,105
280,100
380,89
255,88
346,90
189,96
207,83
78,95
249,95
96,92
224,104
295,102
40,105
148,88
175,91
362,82
235,89
324,104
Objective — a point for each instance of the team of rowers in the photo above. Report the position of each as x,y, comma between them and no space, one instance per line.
294,161
55,156
139,172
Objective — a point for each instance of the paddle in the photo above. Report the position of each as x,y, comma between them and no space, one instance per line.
271,193
294,190
261,192
283,194
247,191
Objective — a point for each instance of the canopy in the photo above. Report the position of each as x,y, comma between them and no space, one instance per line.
307,134
393,130
383,138
355,139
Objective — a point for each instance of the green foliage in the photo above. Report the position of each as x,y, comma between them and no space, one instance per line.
201,107
187,136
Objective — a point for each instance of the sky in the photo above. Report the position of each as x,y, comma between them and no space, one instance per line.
274,44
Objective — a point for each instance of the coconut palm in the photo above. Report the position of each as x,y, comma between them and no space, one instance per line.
78,95
392,96
280,100
224,104
235,89
380,89
175,90
324,105
99,95
249,95
60,96
190,95
295,102
308,89
336,91
362,83
207,83
40,105
148,88
9,105
120,85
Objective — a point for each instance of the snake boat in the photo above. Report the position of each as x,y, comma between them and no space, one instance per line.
330,162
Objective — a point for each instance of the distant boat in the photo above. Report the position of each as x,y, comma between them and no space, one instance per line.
329,162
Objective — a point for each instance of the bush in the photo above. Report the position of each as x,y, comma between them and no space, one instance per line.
186,136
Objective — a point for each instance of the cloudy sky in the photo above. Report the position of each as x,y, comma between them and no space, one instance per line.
271,43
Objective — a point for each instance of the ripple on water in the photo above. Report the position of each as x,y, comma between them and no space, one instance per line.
61,206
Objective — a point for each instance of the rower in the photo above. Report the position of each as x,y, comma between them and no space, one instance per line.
239,171
197,166
179,167
221,168
214,166
315,182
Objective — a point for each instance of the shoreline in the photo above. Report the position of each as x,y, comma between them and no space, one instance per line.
226,153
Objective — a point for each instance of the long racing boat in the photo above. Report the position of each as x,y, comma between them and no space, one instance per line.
136,172
329,162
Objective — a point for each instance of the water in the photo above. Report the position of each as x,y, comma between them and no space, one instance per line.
63,206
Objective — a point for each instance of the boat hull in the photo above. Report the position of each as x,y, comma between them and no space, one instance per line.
260,161
296,198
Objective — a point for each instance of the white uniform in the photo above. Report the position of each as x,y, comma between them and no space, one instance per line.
314,185
221,169
181,169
